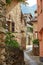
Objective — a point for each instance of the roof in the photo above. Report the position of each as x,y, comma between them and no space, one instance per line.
33,20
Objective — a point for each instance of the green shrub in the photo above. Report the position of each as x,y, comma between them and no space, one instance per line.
36,41
9,41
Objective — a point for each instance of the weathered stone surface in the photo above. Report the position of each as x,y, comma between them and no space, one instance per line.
16,15
2,57
2,54
3,1
3,51
14,56
2,14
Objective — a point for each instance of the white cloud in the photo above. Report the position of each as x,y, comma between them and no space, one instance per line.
32,2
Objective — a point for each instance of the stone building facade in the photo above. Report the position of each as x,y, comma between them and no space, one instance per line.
29,34
2,18
2,32
15,23
34,21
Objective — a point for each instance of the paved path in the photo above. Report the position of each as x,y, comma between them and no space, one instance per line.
31,60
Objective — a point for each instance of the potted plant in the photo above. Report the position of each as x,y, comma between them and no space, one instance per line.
36,42
36,47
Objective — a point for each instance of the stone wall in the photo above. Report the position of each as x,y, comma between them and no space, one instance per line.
2,31
2,54
15,15
14,56
11,56
2,15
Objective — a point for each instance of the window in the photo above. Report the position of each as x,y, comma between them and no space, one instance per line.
13,24
8,25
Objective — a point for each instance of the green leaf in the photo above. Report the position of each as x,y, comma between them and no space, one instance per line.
36,41
9,40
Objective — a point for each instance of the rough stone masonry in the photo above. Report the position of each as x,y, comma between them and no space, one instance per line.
2,31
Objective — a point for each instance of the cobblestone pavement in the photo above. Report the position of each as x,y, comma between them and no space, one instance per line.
31,60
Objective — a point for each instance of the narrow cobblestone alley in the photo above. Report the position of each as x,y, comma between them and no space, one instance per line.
29,59
21,32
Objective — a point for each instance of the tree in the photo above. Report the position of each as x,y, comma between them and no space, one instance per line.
9,1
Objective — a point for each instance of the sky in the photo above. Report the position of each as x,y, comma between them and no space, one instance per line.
29,8
32,2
